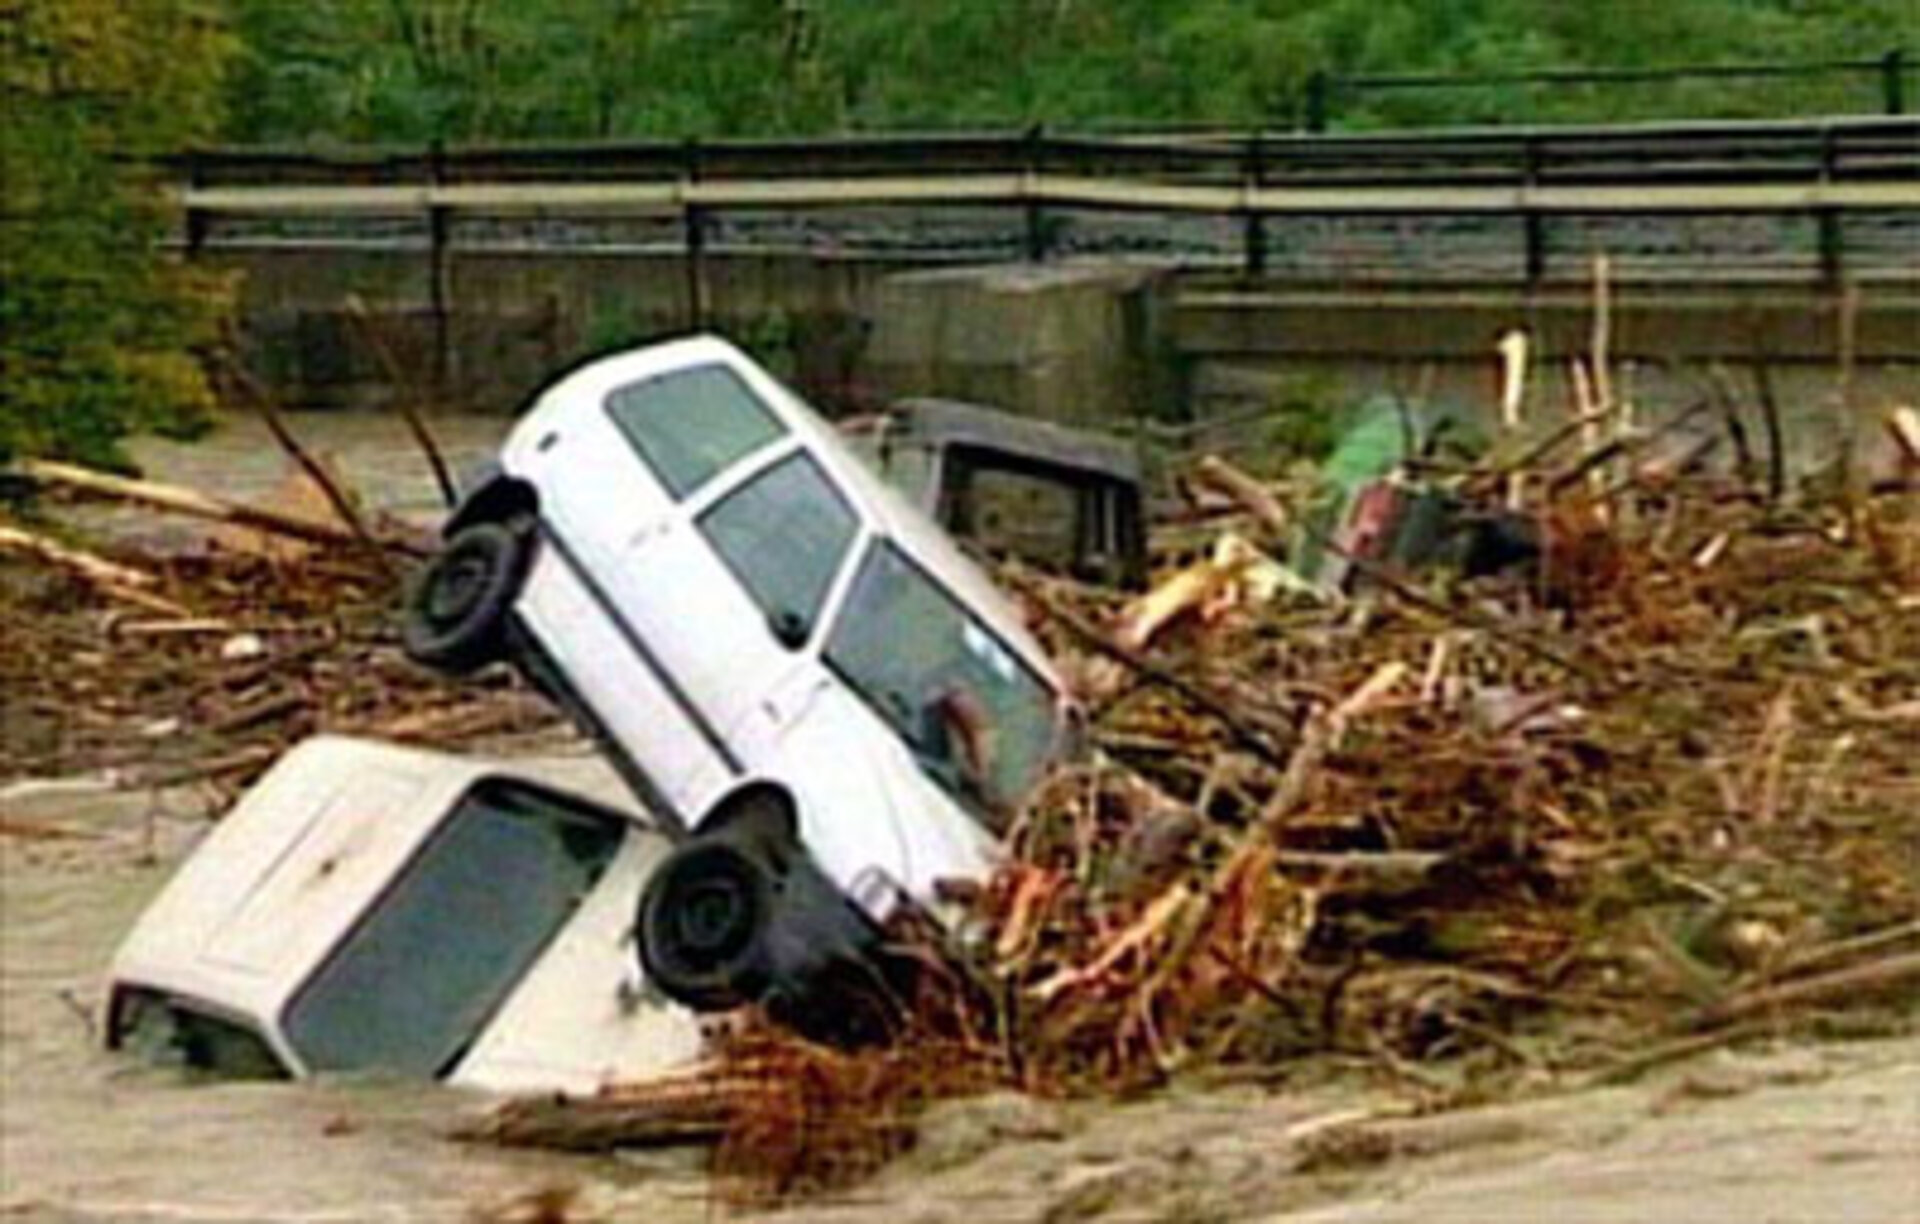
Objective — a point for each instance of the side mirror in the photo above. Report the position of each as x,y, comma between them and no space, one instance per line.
789,628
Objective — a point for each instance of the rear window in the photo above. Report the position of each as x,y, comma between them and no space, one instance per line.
413,985
691,425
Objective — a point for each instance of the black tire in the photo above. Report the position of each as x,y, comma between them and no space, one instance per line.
760,825
457,606
703,923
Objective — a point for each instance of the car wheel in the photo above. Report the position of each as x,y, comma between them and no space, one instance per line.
702,926
457,607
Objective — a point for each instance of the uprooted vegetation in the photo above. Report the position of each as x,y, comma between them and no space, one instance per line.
1472,836
1476,837
169,666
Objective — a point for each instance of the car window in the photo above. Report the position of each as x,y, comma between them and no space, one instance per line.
980,721
690,425
168,1032
784,533
419,977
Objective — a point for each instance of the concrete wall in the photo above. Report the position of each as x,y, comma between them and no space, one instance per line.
1088,342
1246,348
1070,342
517,318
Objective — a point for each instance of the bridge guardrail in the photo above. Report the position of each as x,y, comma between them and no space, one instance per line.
1822,170
1806,151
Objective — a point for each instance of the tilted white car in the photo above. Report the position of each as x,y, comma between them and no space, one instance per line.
372,908
782,655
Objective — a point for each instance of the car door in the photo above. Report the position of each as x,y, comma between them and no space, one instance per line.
720,565
753,565
618,469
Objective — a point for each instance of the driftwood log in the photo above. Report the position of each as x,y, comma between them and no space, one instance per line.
177,499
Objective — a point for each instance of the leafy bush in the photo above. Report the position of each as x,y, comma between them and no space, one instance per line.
100,330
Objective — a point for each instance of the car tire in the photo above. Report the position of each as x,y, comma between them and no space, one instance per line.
457,605
702,925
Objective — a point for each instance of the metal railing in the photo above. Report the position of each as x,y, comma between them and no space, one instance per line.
1725,152
1821,169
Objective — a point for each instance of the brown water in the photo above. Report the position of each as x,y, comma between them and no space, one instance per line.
378,459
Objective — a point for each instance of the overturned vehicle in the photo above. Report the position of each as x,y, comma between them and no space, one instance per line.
373,909
790,664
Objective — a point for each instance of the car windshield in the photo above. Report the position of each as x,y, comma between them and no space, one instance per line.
413,985
980,721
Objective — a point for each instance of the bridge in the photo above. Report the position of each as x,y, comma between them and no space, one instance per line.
1733,238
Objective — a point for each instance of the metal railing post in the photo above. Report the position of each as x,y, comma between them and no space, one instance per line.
1831,233
440,273
1253,172
1533,223
1893,81
196,220
694,222
1036,221
1319,101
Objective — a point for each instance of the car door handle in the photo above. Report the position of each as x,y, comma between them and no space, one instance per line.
783,707
648,533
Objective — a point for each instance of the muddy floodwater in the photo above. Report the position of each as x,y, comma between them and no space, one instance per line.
1812,1134
1784,1133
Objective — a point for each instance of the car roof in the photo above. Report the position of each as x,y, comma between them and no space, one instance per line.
276,884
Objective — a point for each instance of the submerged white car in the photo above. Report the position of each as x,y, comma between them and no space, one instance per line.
783,657
367,908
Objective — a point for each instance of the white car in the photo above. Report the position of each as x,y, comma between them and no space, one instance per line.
782,655
370,908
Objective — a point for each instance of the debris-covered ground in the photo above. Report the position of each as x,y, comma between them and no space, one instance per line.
1467,839
171,647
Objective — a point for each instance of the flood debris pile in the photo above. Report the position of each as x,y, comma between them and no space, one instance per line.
1517,823
203,662
1648,788
785,1118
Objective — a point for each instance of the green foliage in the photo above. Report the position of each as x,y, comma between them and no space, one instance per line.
97,328
471,70
97,332
1306,416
